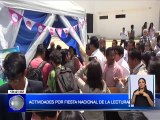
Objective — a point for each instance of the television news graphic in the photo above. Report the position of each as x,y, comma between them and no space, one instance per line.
16,101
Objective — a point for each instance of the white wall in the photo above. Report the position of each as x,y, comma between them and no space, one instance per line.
137,12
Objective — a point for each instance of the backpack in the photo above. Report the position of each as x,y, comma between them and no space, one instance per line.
35,73
65,81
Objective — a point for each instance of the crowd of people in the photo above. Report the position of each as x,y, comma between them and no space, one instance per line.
106,71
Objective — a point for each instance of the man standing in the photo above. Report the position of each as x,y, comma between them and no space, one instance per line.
39,58
112,70
119,53
123,35
94,47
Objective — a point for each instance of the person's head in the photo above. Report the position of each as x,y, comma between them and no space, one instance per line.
41,50
145,32
65,56
94,44
88,51
158,40
130,45
56,57
132,27
70,115
94,75
151,25
52,45
114,43
72,51
147,46
145,25
45,115
134,58
146,58
142,84
153,69
110,55
58,47
123,29
14,66
135,116
119,52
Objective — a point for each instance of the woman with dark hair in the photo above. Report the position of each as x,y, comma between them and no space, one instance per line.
93,84
66,58
70,115
151,30
76,64
142,97
144,27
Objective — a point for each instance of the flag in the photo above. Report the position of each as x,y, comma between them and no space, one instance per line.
59,31
66,31
40,27
29,23
14,16
51,30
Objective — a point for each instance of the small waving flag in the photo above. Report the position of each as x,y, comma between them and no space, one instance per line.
29,23
59,31
40,27
15,16
51,30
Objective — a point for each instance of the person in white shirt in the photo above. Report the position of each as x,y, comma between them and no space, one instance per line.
119,53
94,47
123,35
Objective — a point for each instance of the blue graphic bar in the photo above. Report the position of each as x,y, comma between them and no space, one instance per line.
77,101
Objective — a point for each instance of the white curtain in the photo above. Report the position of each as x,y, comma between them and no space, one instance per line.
8,31
32,50
73,34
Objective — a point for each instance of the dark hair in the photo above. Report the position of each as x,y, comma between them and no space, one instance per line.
135,116
94,75
158,38
119,50
56,57
58,47
74,50
145,89
153,68
41,49
135,54
87,46
115,41
146,57
132,26
14,65
70,115
108,50
151,25
94,41
65,53
45,114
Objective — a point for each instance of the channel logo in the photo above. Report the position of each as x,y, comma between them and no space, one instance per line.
16,102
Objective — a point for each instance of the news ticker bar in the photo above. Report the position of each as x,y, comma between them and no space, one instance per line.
23,102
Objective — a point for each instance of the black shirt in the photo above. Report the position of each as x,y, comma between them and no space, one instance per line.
141,101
